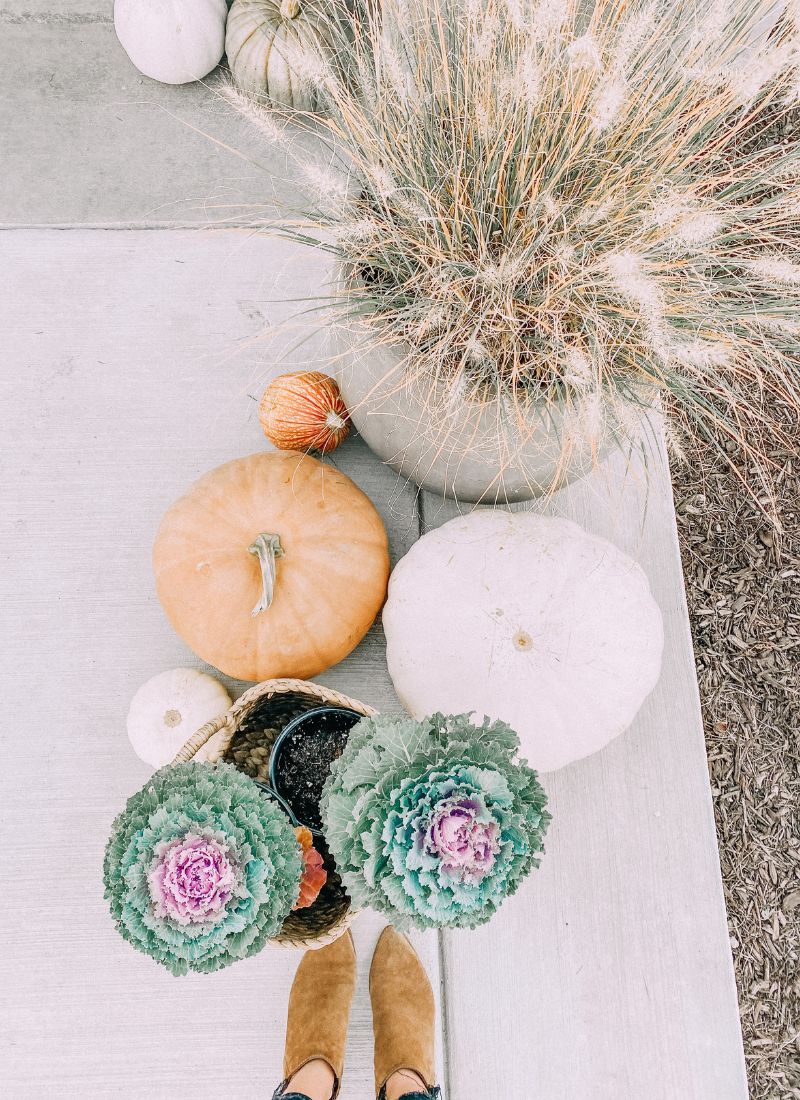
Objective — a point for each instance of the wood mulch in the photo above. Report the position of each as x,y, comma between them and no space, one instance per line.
741,561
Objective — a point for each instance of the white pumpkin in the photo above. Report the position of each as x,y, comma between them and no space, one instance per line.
168,709
526,619
174,41
267,41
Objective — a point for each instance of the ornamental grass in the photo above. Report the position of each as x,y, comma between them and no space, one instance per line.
430,821
555,208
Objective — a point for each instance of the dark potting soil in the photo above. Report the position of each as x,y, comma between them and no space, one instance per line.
305,762
249,751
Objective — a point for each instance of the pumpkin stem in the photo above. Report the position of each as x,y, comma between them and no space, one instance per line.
290,8
266,548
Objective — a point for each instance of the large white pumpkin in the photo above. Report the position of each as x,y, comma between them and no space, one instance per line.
174,41
527,619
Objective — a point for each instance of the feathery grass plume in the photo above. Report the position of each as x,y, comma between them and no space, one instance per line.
556,205
263,118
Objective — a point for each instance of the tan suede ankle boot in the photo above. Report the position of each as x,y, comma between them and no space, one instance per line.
319,1008
403,1011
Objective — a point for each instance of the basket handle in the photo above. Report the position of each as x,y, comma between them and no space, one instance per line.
257,691
197,740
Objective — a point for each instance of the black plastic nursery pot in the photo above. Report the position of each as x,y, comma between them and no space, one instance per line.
301,760
270,716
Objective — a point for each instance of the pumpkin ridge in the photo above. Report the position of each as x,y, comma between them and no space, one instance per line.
311,542
179,547
248,45
301,481
268,55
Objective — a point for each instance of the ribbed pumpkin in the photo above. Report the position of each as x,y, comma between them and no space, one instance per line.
528,619
303,411
266,41
272,565
169,708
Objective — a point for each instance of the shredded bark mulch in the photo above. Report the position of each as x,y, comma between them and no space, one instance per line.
741,561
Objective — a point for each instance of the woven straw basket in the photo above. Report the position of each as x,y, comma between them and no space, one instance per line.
273,704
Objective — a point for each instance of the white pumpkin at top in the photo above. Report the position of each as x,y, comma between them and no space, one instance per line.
269,44
526,619
174,41
168,709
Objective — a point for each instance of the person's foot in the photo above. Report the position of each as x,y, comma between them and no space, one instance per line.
315,1080
319,1012
403,1018
404,1083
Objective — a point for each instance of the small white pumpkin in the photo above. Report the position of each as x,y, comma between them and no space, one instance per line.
168,709
174,41
526,619
266,42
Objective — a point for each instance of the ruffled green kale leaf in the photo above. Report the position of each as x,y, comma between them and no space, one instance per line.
430,821
201,868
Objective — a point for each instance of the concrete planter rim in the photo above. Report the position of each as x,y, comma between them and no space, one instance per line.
495,467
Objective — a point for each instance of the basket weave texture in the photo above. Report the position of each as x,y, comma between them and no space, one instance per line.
269,706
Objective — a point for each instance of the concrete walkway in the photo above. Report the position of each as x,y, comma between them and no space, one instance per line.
130,369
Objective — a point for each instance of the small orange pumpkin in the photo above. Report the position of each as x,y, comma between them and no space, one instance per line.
304,411
272,565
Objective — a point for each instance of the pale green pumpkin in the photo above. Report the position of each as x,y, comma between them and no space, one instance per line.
268,42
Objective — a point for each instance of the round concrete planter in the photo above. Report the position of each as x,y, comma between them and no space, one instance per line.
467,453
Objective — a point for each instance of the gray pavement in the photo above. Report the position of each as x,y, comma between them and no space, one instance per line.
132,366
88,140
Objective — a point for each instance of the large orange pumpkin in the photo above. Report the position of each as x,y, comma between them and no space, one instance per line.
214,566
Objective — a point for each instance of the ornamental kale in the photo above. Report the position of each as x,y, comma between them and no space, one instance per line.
201,868
430,822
